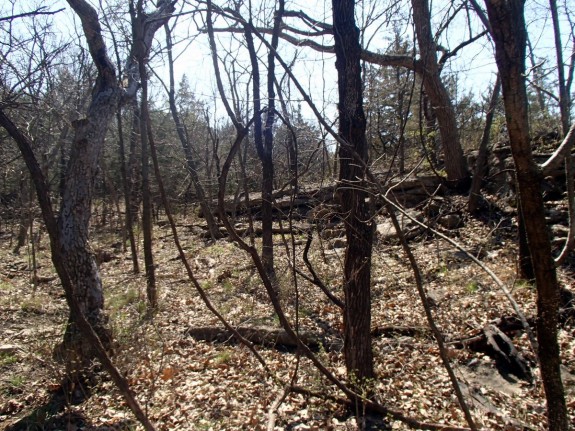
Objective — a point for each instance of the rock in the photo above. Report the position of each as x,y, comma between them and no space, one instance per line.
386,231
9,349
337,243
450,221
435,297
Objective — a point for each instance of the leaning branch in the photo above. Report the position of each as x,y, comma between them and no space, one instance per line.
558,157
93,32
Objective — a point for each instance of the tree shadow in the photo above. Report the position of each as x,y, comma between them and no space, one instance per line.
55,413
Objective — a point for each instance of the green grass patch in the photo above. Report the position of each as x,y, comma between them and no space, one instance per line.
472,287
16,382
7,359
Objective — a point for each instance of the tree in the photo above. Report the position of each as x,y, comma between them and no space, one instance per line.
564,96
389,92
509,34
184,138
428,66
69,233
483,151
264,134
439,98
127,175
352,196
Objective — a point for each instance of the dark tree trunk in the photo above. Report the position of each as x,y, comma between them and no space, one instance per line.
455,164
509,34
126,181
564,96
75,209
525,269
352,197
140,51
267,160
264,139
483,153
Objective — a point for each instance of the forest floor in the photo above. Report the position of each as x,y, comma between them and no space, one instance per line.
187,384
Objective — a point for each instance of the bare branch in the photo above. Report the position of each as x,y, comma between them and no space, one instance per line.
463,44
313,23
39,11
93,31
407,61
560,153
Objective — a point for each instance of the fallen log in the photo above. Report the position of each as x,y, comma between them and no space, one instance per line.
277,338
493,341
261,335
402,331
406,191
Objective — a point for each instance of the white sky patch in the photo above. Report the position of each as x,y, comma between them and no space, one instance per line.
474,65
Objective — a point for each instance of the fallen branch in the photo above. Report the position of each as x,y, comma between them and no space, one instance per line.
405,331
263,335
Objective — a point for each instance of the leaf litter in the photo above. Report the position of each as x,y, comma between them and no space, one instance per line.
186,384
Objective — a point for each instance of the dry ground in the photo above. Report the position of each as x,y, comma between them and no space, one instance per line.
186,384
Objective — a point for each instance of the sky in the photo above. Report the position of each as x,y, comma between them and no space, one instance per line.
475,65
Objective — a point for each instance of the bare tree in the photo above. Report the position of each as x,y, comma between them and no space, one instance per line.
352,195
509,34
186,144
140,51
564,96
70,231
483,152
428,66
439,98
127,175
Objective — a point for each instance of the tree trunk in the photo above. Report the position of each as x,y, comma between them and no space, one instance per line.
263,137
147,226
186,146
483,153
509,34
128,218
355,210
140,51
564,97
455,164
75,210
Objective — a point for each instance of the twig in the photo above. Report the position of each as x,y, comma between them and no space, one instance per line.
430,319
315,279
272,411
570,241
484,267
374,407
